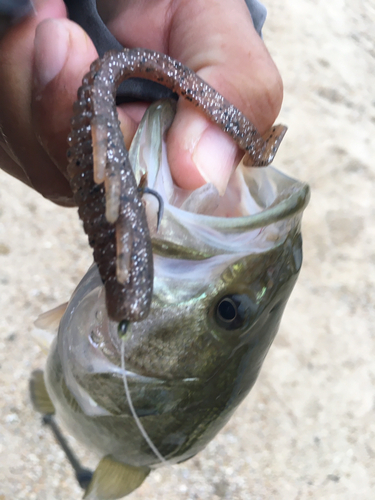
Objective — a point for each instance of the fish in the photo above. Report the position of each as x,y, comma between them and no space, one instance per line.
224,268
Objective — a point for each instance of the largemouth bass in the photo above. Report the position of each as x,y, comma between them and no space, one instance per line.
223,274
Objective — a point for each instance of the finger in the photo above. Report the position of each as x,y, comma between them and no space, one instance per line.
225,50
63,54
18,138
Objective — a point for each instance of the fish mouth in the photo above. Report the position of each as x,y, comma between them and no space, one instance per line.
259,204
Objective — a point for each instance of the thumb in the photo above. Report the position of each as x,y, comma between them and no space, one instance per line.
221,45
63,53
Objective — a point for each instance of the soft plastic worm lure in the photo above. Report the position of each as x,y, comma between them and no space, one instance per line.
101,177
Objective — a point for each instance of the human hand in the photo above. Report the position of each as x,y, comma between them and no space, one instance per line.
42,62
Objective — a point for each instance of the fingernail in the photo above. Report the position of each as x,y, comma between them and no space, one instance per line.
51,49
214,155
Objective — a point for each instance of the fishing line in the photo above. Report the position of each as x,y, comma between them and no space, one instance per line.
132,409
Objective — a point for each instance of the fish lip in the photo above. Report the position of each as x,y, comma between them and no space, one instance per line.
295,203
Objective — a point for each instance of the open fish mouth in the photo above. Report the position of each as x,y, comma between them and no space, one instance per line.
259,204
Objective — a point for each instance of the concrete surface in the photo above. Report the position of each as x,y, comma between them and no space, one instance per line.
308,428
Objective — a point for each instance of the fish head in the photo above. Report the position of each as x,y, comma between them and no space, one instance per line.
205,311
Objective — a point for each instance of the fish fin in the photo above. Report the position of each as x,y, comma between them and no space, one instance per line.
39,396
69,398
113,479
43,338
50,320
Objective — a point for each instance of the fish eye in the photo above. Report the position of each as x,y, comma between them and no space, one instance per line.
233,311
227,310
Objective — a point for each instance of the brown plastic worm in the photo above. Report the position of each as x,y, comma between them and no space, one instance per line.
101,176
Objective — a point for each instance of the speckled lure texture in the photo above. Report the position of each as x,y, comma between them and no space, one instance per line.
101,177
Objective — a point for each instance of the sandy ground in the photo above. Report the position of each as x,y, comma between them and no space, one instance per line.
308,429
